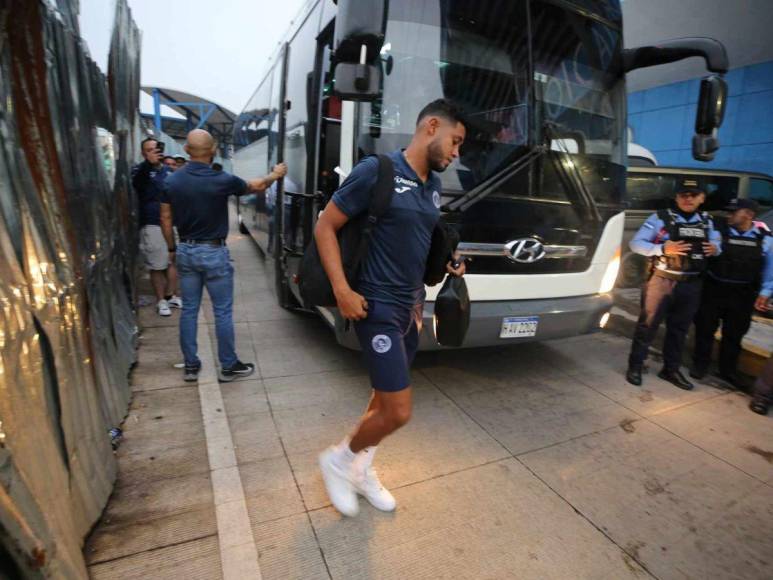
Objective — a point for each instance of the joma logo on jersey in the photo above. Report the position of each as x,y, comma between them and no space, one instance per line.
403,181
402,189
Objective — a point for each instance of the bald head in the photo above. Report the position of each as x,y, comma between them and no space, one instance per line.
200,145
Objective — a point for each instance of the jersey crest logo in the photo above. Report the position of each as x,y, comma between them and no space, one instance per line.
436,198
381,343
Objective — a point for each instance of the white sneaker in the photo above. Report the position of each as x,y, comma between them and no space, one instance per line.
163,308
175,302
338,482
368,485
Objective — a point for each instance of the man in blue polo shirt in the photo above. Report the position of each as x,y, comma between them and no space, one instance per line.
387,302
196,199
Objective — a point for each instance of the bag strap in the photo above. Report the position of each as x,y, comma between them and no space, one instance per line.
380,200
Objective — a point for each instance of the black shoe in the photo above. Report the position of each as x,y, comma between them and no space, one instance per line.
191,373
676,378
633,376
759,407
733,380
698,372
239,370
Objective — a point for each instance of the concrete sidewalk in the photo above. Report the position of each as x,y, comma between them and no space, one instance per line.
529,461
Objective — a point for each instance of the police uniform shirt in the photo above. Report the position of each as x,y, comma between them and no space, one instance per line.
651,236
393,271
767,254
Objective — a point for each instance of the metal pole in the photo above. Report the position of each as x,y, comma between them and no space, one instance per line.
157,110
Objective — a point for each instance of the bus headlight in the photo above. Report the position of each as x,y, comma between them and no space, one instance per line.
610,276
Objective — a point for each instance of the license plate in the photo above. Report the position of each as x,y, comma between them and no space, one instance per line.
519,326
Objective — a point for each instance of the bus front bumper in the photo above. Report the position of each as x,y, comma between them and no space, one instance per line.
556,318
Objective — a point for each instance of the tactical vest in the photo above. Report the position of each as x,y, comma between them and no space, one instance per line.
741,259
696,233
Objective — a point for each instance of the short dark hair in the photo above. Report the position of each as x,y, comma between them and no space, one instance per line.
145,140
442,108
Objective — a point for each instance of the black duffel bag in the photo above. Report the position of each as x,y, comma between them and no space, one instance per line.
353,238
445,239
452,312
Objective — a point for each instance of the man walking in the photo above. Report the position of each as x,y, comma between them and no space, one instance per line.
148,180
737,281
197,197
387,303
678,243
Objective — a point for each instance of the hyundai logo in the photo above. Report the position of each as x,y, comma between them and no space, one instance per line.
525,250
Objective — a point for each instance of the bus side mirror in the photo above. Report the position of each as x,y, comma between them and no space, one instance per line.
711,113
359,36
711,105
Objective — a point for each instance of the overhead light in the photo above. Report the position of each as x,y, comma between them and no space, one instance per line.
604,320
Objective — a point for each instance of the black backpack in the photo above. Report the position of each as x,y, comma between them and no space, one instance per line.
353,237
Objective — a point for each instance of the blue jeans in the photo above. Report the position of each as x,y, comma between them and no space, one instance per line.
210,266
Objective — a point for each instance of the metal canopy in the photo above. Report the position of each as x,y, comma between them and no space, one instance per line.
197,112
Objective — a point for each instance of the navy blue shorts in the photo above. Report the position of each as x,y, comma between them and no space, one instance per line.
389,337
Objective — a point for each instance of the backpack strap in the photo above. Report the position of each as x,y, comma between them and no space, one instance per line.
380,200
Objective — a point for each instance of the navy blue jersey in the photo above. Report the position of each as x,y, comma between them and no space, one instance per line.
393,271
198,195
148,182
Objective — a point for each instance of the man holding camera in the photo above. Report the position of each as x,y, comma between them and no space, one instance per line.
148,180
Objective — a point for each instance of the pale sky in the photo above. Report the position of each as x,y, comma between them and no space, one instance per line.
216,49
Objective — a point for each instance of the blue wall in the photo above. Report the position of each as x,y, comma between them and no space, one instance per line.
663,121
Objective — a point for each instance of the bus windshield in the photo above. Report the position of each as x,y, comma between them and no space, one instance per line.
512,86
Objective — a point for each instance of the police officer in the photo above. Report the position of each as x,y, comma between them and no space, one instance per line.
677,243
737,281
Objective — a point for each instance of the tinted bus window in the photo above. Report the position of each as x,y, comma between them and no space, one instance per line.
653,191
719,191
761,191
300,68
650,191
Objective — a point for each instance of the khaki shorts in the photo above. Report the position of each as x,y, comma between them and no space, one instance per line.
153,247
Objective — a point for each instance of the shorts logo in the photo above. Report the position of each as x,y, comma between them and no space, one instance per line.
436,198
381,343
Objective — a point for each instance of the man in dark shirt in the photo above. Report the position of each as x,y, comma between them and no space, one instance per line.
196,200
388,300
148,179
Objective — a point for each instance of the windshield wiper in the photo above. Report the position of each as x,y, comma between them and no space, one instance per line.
490,185
571,178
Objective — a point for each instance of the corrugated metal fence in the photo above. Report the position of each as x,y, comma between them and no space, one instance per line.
68,136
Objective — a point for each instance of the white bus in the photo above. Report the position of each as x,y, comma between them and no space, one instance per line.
538,192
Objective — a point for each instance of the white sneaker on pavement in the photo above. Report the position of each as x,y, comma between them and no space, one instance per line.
368,485
163,308
175,302
337,474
